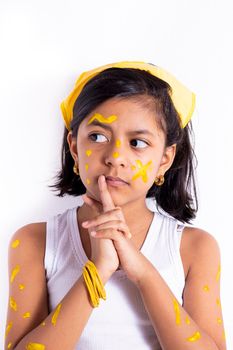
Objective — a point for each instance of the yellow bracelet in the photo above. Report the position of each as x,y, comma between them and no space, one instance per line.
93,283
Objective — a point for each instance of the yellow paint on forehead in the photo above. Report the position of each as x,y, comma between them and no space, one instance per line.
88,181
8,328
102,119
187,320
142,170
118,143
26,315
86,166
21,286
14,273
218,273
35,346
206,288
194,337
13,304
177,311
88,152
9,345
115,155
55,315
15,244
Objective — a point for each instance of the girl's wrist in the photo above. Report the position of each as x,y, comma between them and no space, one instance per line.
104,274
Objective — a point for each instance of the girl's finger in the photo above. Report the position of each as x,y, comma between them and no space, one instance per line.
109,233
105,196
117,225
103,217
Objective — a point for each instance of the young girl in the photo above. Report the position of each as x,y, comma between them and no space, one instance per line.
126,146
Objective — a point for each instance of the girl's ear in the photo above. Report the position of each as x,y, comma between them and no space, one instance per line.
167,159
72,142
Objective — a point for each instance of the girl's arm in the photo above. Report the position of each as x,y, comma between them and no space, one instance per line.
29,324
198,324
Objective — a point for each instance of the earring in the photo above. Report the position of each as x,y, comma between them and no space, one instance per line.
159,180
75,169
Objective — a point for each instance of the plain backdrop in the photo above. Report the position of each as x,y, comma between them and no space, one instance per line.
45,45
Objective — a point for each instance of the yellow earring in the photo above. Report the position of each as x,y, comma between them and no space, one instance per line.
75,169
159,180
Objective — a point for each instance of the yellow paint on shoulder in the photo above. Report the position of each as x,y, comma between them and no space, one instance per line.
177,311
206,288
102,119
88,152
15,244
187,320
13,304
86,167
118,143
27,315
194,337
115,155
21,286
35,346
218,273
14,273
8,328
55,315
9,345
88,181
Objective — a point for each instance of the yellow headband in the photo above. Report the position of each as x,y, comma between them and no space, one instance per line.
183,99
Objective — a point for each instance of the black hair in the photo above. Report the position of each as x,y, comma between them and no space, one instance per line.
178,195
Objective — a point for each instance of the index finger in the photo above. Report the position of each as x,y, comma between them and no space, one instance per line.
105,196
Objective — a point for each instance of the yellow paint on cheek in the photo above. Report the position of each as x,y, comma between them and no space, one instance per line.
206,288
21,286
118,143
218,273
115,155
187,320
13,304
142,170
133,167
15,244
88,152
9,345
8,328
102,119
35,346
218,302
88,181
55,315
219,320
177,311
194,337
86,167
14,273
27,315
224,335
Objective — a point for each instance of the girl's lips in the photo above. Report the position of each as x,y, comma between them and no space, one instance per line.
115,181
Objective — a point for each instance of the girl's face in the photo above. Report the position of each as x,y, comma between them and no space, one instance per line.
120,139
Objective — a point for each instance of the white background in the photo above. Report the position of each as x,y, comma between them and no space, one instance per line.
45,45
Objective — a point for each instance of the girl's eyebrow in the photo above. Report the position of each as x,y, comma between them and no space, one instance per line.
133,132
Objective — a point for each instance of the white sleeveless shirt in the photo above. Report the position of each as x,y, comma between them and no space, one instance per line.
121,321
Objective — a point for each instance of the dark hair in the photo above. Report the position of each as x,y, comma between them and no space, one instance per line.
177,196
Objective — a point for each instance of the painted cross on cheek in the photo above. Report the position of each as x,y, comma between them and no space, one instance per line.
142,170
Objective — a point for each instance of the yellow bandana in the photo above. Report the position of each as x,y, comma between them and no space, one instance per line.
183,99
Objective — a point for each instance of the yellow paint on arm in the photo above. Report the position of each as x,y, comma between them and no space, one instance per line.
55,315
218,273
88,152
177,311
14,273
9,345
206,288
35,346
27,314
13,304
21,286
8,328
187,320
15,244
194,337
102,119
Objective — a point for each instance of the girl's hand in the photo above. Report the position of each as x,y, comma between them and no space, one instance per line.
111,225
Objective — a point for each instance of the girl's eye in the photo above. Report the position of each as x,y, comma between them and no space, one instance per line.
140,143
97,138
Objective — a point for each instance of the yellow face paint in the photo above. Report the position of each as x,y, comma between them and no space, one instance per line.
88,181
27,315
206,288
9,345
218,273
8,328
187,320
86,167
194,337
219,320
15,244
21,286
133,167
88,152
177,311
101,119
35,346
55,315
14,273
13,304
118,143
224,335
115,155
142,170
218,302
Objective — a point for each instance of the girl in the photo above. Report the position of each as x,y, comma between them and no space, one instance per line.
126,142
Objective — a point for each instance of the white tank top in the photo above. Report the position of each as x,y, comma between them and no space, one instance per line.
121,321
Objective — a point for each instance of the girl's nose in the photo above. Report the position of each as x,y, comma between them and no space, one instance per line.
116,157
